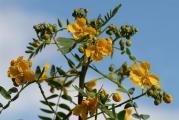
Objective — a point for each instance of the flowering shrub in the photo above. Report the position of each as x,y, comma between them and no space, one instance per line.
84,48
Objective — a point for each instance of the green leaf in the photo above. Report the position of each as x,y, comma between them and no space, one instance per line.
144,116
4,93
1,105
37,73
121,115
60,23
77,57
66,44
133,58
71,63
53,70
64,106
67,84
61,114
46,111
121,89
81,91
12,90
44,118
128,105
131,90
113,110
50,103
52,96
109,15
60,71
55,83
137,116
128,52
67,97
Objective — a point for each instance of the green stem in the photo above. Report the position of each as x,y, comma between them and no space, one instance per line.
45,98
58,101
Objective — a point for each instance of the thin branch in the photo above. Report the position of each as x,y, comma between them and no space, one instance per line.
119,105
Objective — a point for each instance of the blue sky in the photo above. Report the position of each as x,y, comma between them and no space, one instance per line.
156,42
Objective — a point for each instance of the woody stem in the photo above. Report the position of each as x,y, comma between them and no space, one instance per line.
82,81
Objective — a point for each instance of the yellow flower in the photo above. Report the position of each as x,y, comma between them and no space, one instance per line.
141,76
90,85
20,70
44,74
117,97
128,113
167,98
103,47
80,29
87,106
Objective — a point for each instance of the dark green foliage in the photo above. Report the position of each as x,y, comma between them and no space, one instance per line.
4,93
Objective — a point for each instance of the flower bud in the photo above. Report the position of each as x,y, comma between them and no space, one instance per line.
157,101
117,97
167,98
90,85
150,92
111,76
122,43
111,68
81,49
129,43
103,96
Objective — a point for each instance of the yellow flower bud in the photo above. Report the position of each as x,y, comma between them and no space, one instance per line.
81,49
111,76
167,98
122,43
129,43
117,97
90,85
103,96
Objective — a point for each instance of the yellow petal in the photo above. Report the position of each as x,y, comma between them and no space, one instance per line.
29,75
144,67
80,22
80,110
97,57
90,51
90,30
90,85
128,114
73,28
154,80
13,71
135,77
19,80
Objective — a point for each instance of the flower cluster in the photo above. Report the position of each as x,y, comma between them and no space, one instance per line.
87,106
80,29
20,71
142,77
103,47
